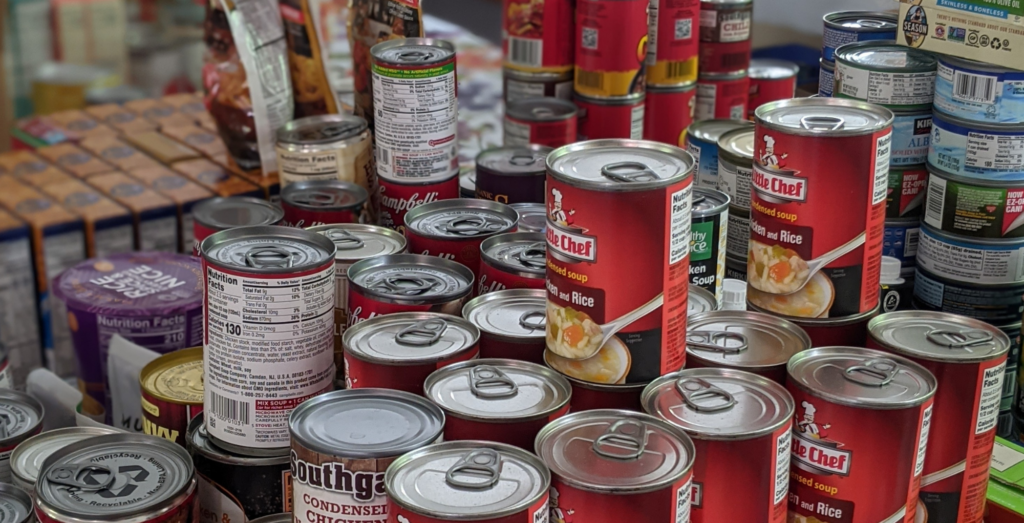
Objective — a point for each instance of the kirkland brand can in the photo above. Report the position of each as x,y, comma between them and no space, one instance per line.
725,35
744,340
416,112
310,203
974,261
343,442
601,195
741,427
23,418
968,358
702,143
172,393
826,78
237,488
977,150
900,240
326,147
722,95
537,36
611,47
511,323
994,304
823,331
219,214
673,42
770,80
287,275
699,300
595,382
911,134
519,85
906,193
533,217
857,408
793,204
708,230
844,27
886,73
978,91
735,165
454,229
406,283
467,481
737,240
599,476
29,456
668,112
611,117
551,122
515,260
395,198
398,351
512,174
500,400
155,481
974,208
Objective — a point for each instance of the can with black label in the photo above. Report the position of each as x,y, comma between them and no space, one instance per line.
708,232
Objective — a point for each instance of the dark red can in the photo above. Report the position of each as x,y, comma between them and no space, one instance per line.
218,214
514,260
406,283
668,112
454,229
722,96
770,80
610,118
725,35
396,198
511,174
543,121
611,47
320,202
511,324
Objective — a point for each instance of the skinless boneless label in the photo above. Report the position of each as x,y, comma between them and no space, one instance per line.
327,489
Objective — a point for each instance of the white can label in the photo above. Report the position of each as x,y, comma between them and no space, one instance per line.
991,396
885,88
985,264
734,180
346,490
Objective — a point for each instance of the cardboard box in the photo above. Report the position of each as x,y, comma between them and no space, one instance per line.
82,124
182,191
158,112
217,178
156,216
989,31
109,227
161,147
19,324
120,118
118,153
203,140
74,159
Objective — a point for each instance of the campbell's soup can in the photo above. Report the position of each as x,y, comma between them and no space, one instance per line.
395,198
454,229
668,112
406,283
725,35
601,118
511,322
609,466
511,174
551,122
794,203
611,47
491,399
318,202
172,393
741,427
514,260
722,95
538,35
857,408
749,341
969,359
603,195
673,38
770,80
218,214
23,418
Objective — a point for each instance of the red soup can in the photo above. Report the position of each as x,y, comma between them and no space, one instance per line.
741,427
511,174
619,244
855,409
398,351
968,357
500,400
725,35
218,214
600,382
514,260
395,198
538,35
609,466
454,229
743,340
722,96
319,202
601,118
672,42
543,121
611,47
511,324
668,112
770,80
794,204
406,283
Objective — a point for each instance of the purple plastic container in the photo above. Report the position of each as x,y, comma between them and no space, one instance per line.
152,299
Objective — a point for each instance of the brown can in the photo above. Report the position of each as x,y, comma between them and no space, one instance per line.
172,393
551,122
511,322
744,340
514,260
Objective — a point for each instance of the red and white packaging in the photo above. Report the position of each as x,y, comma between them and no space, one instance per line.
725,35
455,229
722,96
395,198
610,118
668,112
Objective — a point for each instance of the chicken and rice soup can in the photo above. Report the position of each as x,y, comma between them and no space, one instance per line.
709,226
406,283
668,112
905,197
511,322
977,150
601,118
973,208
978,91
551,122
749,341
702,143
514,260
897,77
844,27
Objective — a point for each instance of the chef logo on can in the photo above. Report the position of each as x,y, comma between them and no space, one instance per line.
812,449
565,237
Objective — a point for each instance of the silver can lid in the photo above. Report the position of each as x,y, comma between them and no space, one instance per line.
198,443
322,129
620,165
413,51
545,109
938,336
708,202
461,218
719,404
524,160
772,69
324,195
356,241
27,459
823,117
236,211
511,314
886,55
409,338
710,131
15,505
411,278
533,217
366,423
498,390
615,451
862,21
518,252
743,339
20,415
268,250
466,481
698,300
861,377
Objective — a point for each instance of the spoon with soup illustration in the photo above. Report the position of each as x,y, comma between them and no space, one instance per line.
573,334
777,270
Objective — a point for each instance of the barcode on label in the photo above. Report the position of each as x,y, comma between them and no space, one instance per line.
935,200
684,29
589,38
910,242
974,87
383,156
523,51
230,410
590,79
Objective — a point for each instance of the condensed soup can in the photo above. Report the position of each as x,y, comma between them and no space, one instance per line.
668,112
406,283
974,261
454,229
911,134
395,198
172,393
856,408
908,187
979,92
744,340
310,203
514,260
519,85
722,95
17,504
968,358
219,214
551,122
506,401
901,239
287,275
770,80
826,78
823,330
976,150
844,27
740,425
23,418
708,231
621,117
512,174
735,165
974,208
326,147
994,304
511,322
533,217
702,143
29,456
908,75
699,300
611,47
725,35
537,37
673,41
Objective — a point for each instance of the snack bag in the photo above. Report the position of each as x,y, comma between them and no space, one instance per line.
372,22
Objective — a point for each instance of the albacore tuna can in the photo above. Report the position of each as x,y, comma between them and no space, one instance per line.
990,303
856,408
974,208
968,358
978,91
900,240
611,47
512,174
977,150
673,40
702,143
318,202
911,134
844,27
219,214
735,165
519,85
285,278
649,185
668,112
536,36
598,475
601,118
708,231
23,418
744,340
506,401
479,481
907,74
722,95
514,260
172,393
399,350
792,208
454,229
30,454
725,35
395,198
511,322
341,450
770,80
740,425
826,78
973,261
532,216
552,122
406,283
326,147
905,196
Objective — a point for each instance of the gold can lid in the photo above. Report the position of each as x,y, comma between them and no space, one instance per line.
176,377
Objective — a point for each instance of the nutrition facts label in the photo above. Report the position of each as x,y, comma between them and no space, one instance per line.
885,88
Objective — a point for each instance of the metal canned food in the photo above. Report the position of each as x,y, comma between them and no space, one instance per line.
911,134
406,283
611,47
17,504
599,476
395,198
735,165
736,268
973,261
990,303
699,300
900,240
738,238
741,427
512,174
172,393
398,351
319,202
467,184
621,117
454,229
708,236
649,185
886,73
287,275
519,85
550,122
857,408
29,456
343,441
978,91
770,80
533,217
219,214
23,418
536,37
844,27
668,112
514,260
506,401
744,340
233,487
672,43
906,193
725,35
511,322
722,95
467,481
326,147
976,149
823,331
154,481
702,143
973,208
826,78
968,358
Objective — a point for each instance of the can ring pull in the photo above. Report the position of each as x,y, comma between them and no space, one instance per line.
488,381
826,123
405,285
534,320
696,389
470,226
316,199
413,56
482,465
960,339
717,341
522,160
534,255
265,256
81,476
628,435
629,172
344,240
422,333
878,372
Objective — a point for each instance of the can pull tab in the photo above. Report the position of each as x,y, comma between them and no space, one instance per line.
534,320
877,372
717,341
534,255
960,339
82,476
405,285
822,123
422,333
344,240
317,199
479,470
629,172
695,390
266,256
413,56
486,381
471,226
624,440
523,160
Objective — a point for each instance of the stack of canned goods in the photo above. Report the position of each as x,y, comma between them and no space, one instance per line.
844,27
723,85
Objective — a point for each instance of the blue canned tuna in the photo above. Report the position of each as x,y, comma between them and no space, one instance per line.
977,150
702,142
979,92
844,27
826,78
911,133
900,240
